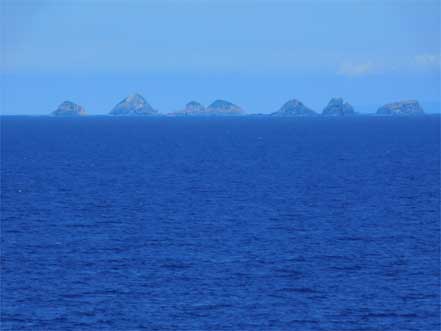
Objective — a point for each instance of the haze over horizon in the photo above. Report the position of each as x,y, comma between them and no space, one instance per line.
257,54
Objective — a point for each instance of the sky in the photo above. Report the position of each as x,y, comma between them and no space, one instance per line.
257,54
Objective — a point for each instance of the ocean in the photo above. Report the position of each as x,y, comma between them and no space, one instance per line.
220,223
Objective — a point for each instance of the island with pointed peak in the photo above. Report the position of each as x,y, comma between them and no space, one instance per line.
133,105
294,107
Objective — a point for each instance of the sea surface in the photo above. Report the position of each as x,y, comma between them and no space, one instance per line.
220,224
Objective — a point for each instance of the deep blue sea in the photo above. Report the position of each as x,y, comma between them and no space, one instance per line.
126,224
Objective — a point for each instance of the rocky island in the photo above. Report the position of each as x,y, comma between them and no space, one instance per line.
294,108
222,107
69,108
336,107
133,105
217,108
193,108
407,107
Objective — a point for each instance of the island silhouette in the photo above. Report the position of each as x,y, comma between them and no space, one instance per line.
137,105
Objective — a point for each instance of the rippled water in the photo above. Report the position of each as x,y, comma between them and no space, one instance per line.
220,224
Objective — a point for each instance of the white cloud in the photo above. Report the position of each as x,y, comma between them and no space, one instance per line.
411,63
357,69
428,60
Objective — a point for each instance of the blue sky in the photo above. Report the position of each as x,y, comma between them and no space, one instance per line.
257,54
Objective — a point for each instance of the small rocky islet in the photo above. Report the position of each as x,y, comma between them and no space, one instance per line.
222,107
337,107
69,108
136,105
216,108
294,108
193,108
407,107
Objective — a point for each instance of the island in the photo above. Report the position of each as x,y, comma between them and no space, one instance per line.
192,108
136,105
294,108
133,105
222,107
336,107
407,107
217,108
69,108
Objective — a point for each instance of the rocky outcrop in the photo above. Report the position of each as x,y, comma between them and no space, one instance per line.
217,108
222,107
69,108
193,108
336,107
134,104
408,107
294,108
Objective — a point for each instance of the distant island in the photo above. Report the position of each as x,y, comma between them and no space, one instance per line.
69,108
408,107
191,108
336,107
136,105
222,107
133,105
294,108
217,108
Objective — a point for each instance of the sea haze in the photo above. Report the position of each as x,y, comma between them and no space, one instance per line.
220,224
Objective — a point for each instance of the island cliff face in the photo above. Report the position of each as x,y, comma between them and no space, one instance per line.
294,108
134,104
407,107
69,108
222,107
336,107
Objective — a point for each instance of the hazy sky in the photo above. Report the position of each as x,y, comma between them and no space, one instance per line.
257,54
